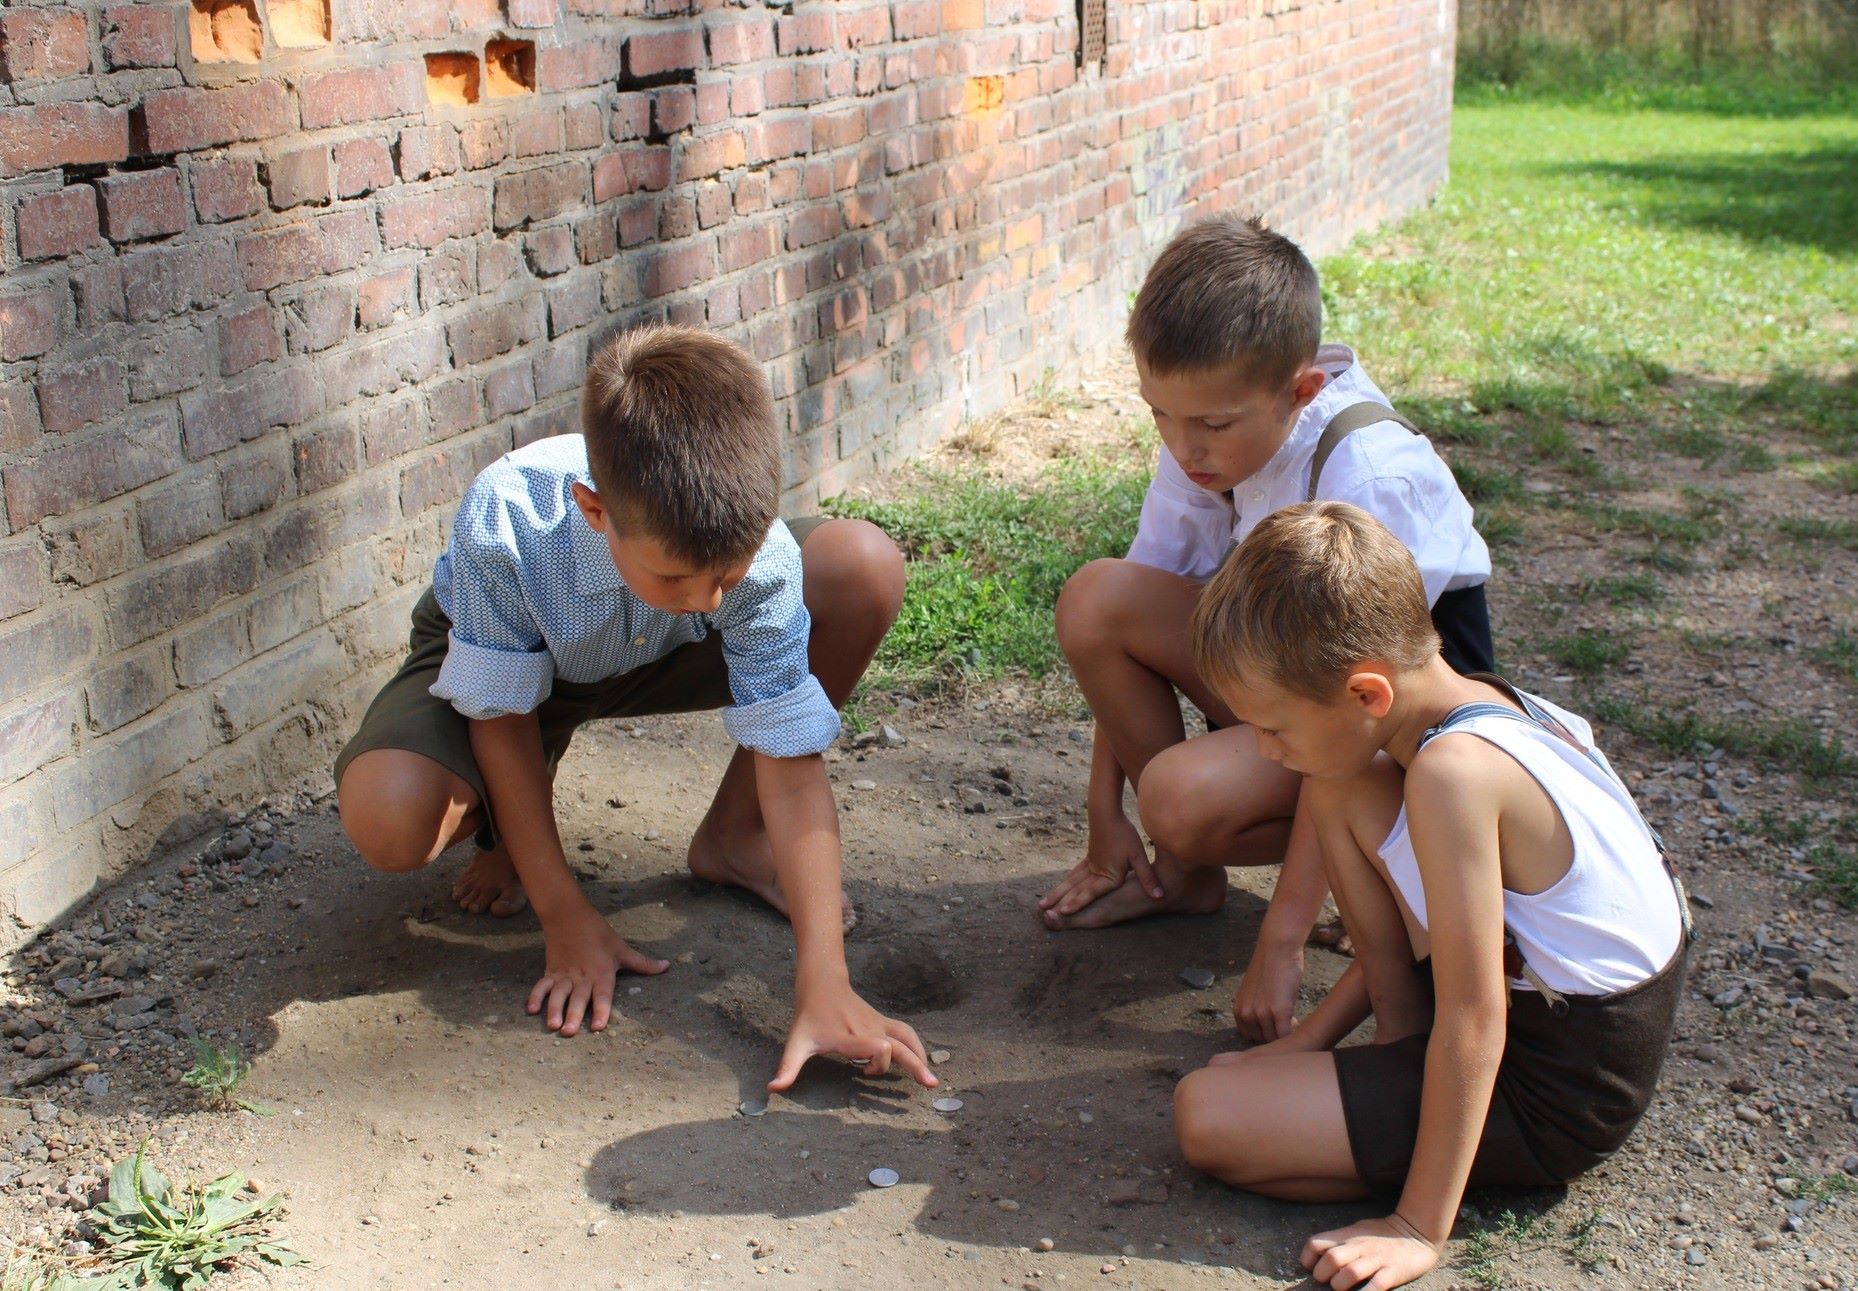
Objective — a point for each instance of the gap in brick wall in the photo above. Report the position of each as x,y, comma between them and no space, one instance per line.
300,24
509,68
225,31
452,78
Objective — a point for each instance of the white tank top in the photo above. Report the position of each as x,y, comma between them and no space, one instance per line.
1613,920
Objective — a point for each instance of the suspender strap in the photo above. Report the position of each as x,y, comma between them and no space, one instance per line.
1357,416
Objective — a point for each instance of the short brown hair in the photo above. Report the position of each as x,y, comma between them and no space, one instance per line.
681,441
1312,593
1226,292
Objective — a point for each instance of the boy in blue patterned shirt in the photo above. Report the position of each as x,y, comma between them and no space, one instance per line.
638,568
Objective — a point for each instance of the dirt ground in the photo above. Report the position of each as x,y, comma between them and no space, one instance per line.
425,1132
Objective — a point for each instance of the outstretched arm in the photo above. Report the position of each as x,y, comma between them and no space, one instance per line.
829,1016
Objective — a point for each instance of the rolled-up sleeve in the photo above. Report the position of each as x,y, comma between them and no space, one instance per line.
497,662
780,708
1184,529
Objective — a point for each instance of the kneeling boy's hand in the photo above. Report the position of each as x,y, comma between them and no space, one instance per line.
1374,1255
833,1019
583,957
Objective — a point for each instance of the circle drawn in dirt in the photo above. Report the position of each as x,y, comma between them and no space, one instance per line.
906,979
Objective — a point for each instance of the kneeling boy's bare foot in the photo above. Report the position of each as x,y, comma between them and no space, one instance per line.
1185,890
745,862
489,882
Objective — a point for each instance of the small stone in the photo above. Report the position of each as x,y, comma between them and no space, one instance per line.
276,854
864,784
97,1086
1694,1256
939,1056
1199,978
652,835
238,845
1045,1244
1824,984
753,1107
1107,1268
888,737
1767,1242
948,1104
1007,1204
882,1177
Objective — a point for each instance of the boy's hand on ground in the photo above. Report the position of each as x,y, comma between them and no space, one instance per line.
1374,1255
583,957
835,1020
1296,1042
1115,848
1265,1005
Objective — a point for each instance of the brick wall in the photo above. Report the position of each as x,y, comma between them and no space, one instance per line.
281,275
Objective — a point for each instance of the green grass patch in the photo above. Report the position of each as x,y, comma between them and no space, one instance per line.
1588,653
1637,588
1791,744
1840,652
1813,531
1828,849
1668,79
987,561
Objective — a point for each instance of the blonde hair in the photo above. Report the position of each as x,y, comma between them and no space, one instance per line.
1313,592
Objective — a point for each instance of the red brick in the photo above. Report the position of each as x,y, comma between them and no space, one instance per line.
427,219
490,331
19,417
806,33
570,67
58,224
167,280
812,225
712,103
742,248
22,588
582,127
28,323
915,19
248,337
538,194
276,256
674,108
62,134
318,319
837,129
97,290
386,297
216,418
573,304
483,143
142,204
655,53
362,94
225,189
298,176
610,178
91,470
43,44
674,270
632,116
741,42
550,251
701,158
362,165
324,456
75,396
714,205
867,26
536,134
509,389
140,35
187,119
531,13
428,150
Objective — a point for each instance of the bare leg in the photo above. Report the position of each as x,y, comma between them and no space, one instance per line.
1353,818
1272,1124
854,588
402,809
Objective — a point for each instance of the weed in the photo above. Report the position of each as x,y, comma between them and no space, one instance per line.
1486,1249
1840,652
1825,1190
1792,744
1621,589
1817,532
1589,652
217,1073
177,1236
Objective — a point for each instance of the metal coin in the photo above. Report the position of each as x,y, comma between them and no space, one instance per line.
754,1107
883,1177
948,1104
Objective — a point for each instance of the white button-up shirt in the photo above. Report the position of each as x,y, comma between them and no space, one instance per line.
1386,470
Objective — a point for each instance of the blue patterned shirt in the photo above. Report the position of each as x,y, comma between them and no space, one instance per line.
533,595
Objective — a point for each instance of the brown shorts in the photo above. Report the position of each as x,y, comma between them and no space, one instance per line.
1571,1087
406,714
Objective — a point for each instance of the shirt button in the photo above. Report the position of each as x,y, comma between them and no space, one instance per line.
639,640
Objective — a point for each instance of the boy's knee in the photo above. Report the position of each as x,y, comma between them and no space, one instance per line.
1179,796
395,824
854,564
1200,1124
1088,605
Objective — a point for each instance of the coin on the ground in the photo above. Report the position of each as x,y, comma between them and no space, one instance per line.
1198,978
754,1107
948,1104
883,1177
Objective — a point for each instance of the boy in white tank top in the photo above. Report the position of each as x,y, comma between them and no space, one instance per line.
1518,933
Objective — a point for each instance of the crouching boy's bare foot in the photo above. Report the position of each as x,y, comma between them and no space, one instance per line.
744,859
1186,889
489,883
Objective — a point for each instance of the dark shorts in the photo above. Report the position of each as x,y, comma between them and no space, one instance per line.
1570,1089
1462,620
406,714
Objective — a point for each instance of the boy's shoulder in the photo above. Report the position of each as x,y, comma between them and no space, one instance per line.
528,486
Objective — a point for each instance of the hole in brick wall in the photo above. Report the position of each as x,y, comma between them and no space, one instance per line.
225,31
509,67
300,24
452,79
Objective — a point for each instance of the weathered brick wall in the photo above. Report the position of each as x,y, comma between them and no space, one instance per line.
279,278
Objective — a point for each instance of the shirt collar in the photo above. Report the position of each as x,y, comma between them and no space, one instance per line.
1338,362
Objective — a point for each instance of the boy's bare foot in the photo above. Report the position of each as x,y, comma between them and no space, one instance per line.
489,882
1187,889
744,861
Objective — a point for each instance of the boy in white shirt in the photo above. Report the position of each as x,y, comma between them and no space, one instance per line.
1255,414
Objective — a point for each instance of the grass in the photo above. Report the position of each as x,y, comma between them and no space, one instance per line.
1589,653
217,1073
1841,652
1817,533
1790,743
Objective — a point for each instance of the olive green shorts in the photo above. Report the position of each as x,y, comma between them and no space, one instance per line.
407,715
